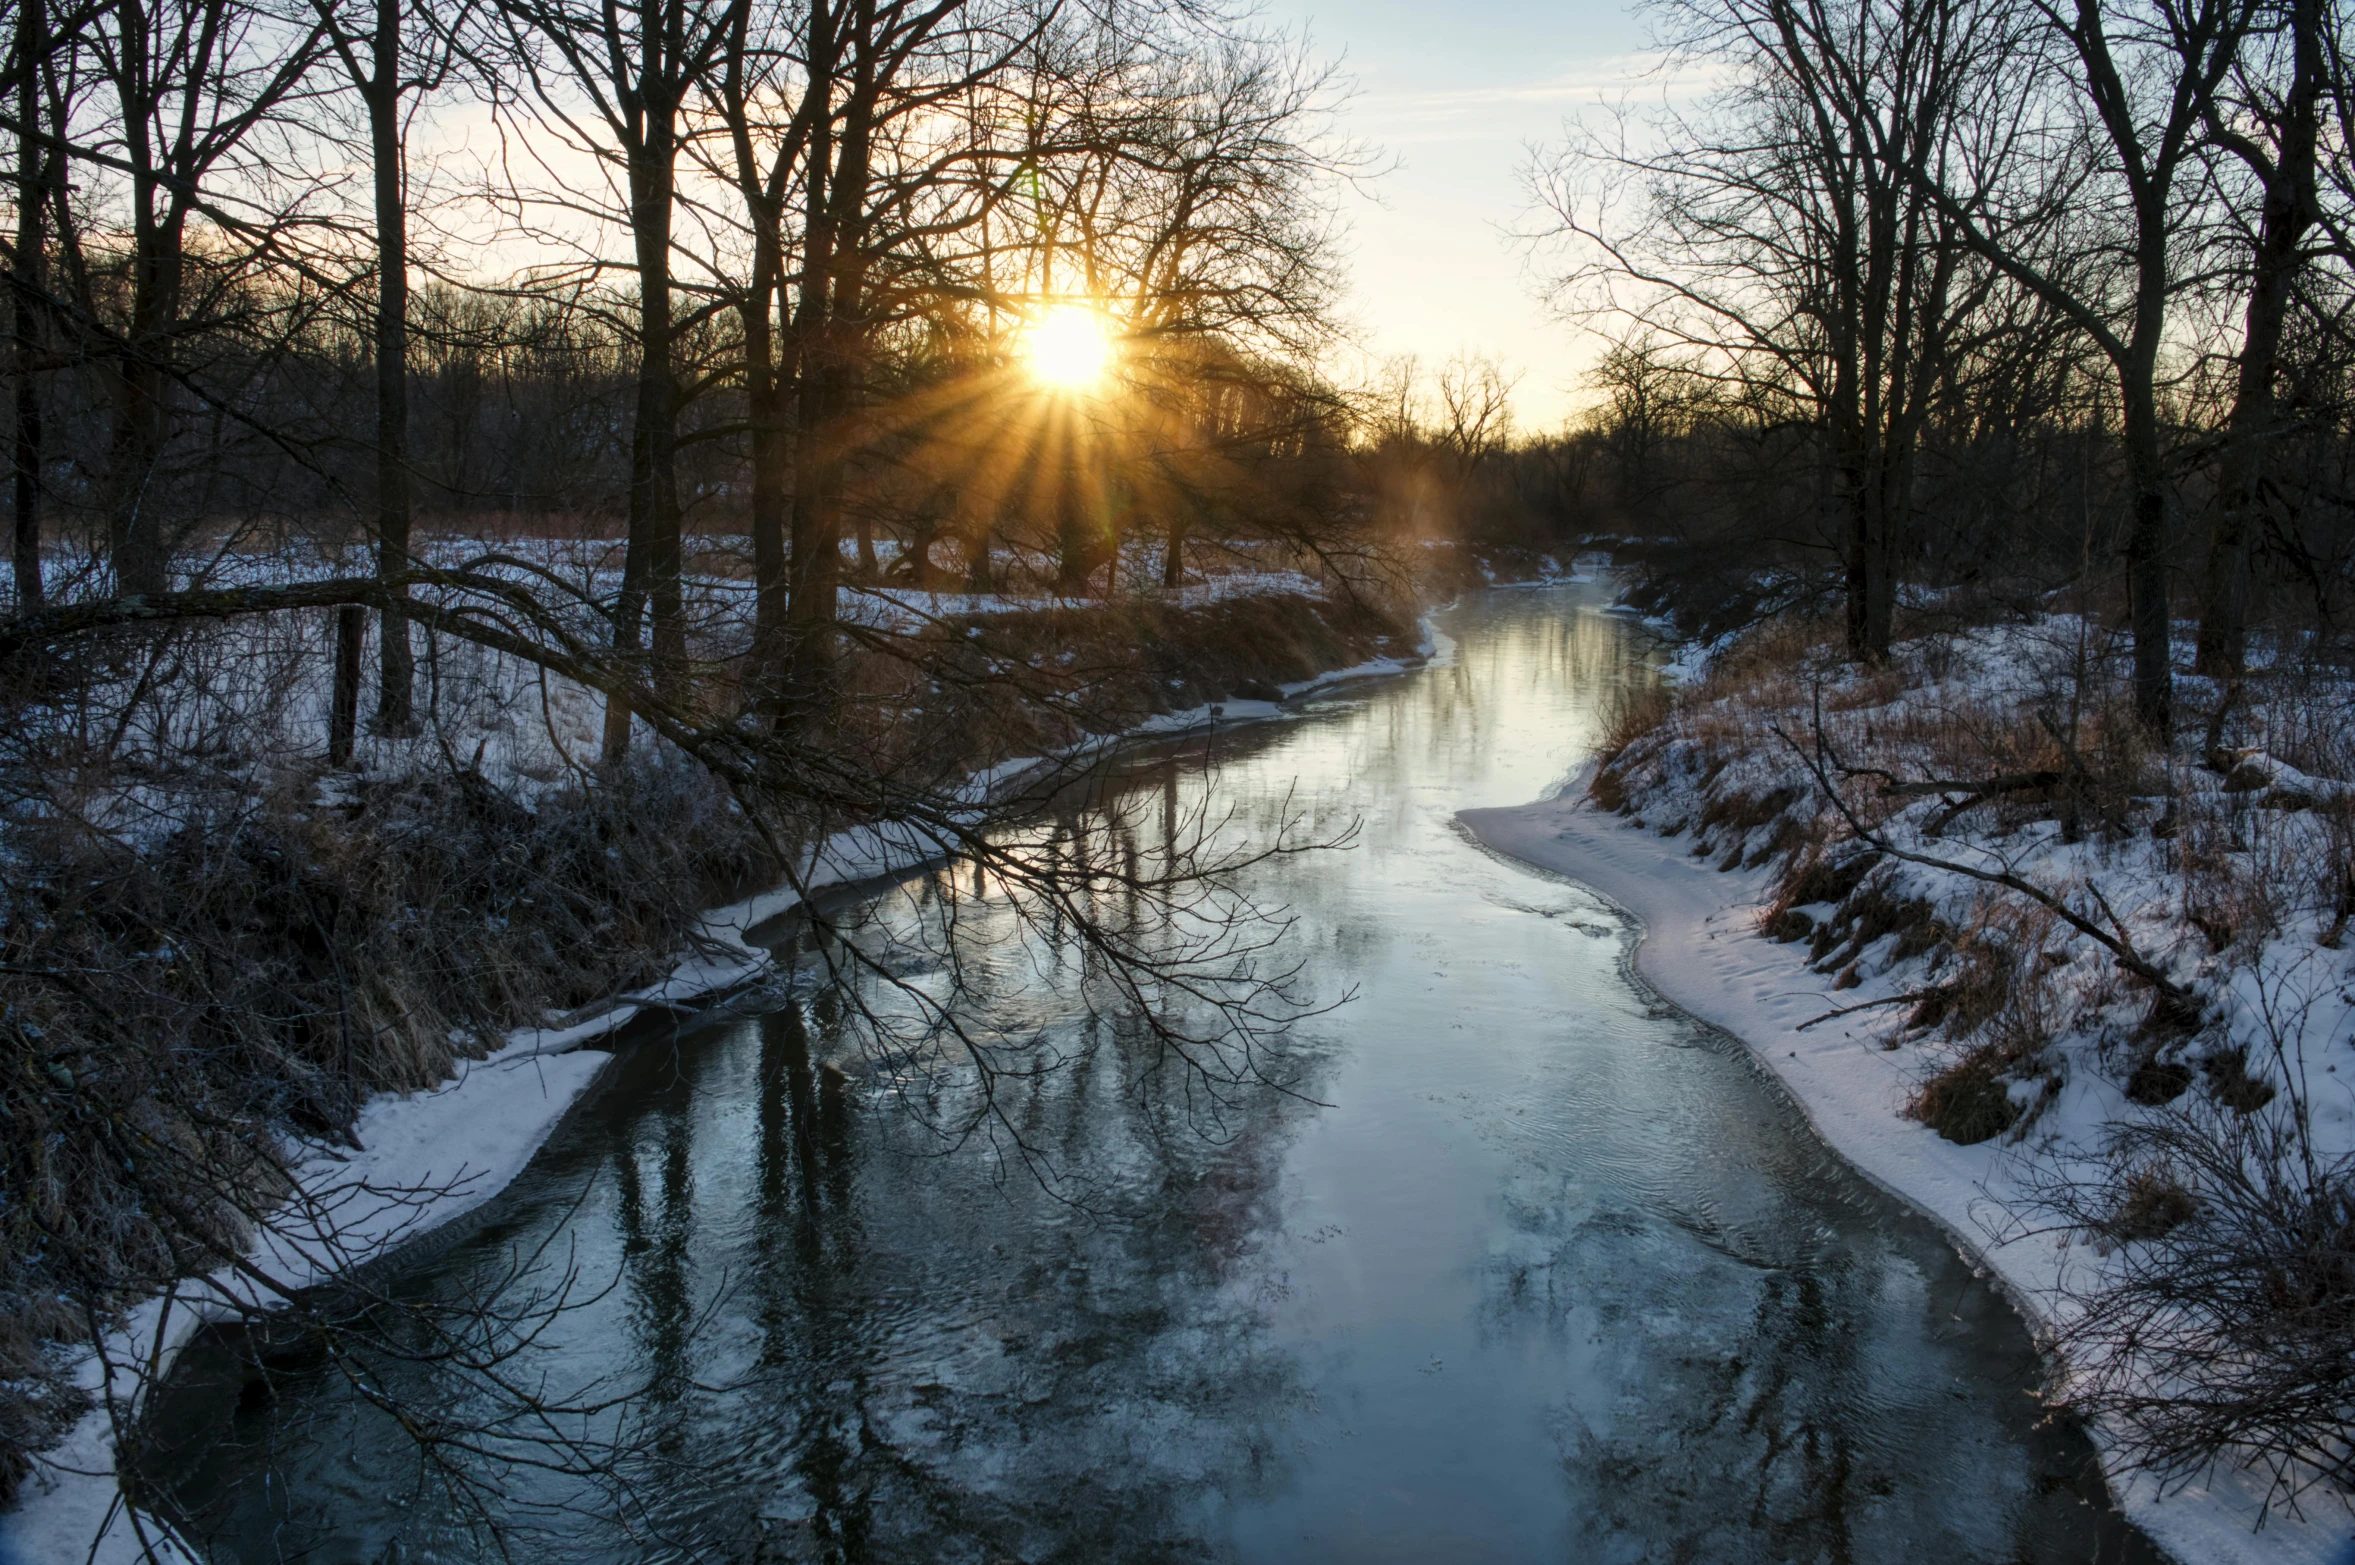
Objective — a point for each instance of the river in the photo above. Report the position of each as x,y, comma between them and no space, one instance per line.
1522,1264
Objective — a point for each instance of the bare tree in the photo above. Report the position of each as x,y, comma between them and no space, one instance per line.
27,283
1783,242
389,71
617,82
2144,85
192,83
2281,157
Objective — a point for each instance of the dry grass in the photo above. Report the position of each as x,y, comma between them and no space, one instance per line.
1968,1102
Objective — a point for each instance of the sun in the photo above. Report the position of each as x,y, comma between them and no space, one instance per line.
1069,346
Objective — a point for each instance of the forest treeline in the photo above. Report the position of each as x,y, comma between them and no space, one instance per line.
1993,292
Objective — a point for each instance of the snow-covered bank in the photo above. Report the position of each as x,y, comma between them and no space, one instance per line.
1700,948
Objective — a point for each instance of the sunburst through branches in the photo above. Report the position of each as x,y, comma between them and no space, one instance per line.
1070,347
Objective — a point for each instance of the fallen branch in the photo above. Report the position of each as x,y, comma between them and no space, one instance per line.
1869,1005
2010,782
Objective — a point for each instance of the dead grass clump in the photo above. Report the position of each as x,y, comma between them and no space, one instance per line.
2001,996
1744,812
1826,878
2156,1081
1868,914
1785,841
1770,652
1968,1102
2230,1082
1975,996
1876,689
1635,711
2152,1204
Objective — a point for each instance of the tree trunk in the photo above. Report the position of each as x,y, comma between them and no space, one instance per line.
2289,207
343,712
651,565
135,519
30,247
828,331
134,512
772,452
815,569
1890,504
2146,552
977,547
396,667
654,488
817,528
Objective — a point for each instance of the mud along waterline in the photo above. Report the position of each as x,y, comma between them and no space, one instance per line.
1525,1266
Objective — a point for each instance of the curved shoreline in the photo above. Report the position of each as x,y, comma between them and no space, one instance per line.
1698,949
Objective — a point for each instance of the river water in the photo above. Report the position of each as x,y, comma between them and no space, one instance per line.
1522,1264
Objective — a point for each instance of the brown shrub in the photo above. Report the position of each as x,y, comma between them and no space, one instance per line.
1968,1102
1635,711
2157,1081
1824,878
2151,1205
2229,1080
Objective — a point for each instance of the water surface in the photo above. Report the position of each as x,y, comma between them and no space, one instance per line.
1525,1265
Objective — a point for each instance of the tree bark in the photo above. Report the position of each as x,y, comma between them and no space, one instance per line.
135,519
830,333
2289,208
772,457
815,566
396,669
31,243
158,235
2146,552
1173,547
343,714
651,560
654,487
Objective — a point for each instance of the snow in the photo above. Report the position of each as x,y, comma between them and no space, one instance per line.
1700,949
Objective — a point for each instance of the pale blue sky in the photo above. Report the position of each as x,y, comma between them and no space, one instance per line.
1454,94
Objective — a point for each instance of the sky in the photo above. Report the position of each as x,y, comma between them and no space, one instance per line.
1452,94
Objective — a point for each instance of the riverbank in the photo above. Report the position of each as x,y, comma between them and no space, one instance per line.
1962,1042
411,1161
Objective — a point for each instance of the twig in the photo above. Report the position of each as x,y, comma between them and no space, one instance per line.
1869,1005
2010,782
